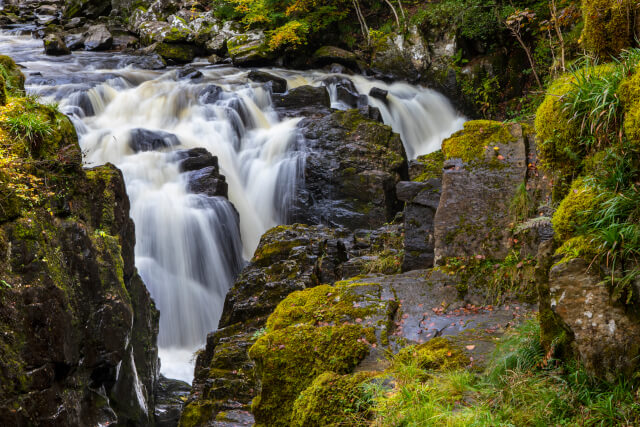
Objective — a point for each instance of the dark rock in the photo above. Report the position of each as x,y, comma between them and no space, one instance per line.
378,93
203,170
86,8
303,101
98,37
421,202
372,113
277,84
346,91
86,331
350,172
210,94
149,140
330,54
74,23
169,395
188,73
55,46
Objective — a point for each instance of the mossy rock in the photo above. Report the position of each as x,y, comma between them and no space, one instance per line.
470,143
608,25
437,354
629,92
583,246
327,304
575,209
288,360
334,400
430,166
176,52
13,77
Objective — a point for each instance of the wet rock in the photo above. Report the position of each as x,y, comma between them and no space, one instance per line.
346,91
421,202
151,61
277,84
98,37
149,140
350,172
55,46
605,333
302,101
169,395
188,73
392,62
74,41
210,94
203,171
378,93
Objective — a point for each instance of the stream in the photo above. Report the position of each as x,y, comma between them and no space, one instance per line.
190,247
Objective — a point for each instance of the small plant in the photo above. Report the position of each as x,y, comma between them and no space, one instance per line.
521,205
29,126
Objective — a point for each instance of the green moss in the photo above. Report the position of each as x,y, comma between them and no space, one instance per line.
556,134
578,247
574,210
629,92
195,414
14,79
331,304
608,25
477,136
176,52
432,164
437,354
288,360
333,400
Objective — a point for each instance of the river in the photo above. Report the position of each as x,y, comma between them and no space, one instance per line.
190,247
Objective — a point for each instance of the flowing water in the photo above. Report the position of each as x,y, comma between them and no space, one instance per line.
190,247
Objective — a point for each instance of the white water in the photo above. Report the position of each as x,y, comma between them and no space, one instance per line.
189,247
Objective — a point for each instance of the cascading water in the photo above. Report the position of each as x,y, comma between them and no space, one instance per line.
189,247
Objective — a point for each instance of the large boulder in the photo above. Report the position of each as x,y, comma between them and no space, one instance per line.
54,45
249,49
203,172
604,333
98,37
485,164
148,140
275,83
350,172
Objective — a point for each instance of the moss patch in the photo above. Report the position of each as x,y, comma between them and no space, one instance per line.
470,143
431,165
608,25
333,400
437,354
574,210
289,359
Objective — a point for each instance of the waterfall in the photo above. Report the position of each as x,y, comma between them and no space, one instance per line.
190,247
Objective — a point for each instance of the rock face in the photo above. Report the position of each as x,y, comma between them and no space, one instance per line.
421,202
606,335
77,326
289,258
484,165
350,172
277,84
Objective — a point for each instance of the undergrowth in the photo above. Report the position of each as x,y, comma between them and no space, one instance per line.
520,386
